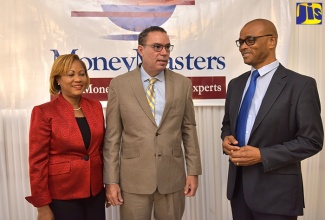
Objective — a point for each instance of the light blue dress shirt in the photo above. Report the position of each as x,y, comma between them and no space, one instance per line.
262,83
159,88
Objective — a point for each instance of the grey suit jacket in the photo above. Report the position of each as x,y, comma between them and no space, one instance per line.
138,154
288,128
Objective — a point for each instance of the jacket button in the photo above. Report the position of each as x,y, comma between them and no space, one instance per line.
157,134
86,158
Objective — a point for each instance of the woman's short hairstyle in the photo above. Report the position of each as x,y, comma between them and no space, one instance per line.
61,66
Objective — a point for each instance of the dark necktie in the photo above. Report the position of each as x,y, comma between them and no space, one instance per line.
243,113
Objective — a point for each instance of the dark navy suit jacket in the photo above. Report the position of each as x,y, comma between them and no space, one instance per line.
287,129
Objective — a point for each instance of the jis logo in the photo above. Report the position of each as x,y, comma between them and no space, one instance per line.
309,13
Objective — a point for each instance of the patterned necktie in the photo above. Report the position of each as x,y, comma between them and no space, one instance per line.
243,113
150,92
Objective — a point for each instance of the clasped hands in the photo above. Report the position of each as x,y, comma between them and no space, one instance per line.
241,156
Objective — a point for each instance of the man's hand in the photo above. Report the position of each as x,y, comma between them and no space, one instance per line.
192,182
113,195
45,213
229,144
245,156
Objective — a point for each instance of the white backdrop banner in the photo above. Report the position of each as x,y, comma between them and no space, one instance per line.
104,34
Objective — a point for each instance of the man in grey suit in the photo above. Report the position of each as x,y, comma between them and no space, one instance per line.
144,169
283,127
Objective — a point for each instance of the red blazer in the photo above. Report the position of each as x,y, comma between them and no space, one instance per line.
60,165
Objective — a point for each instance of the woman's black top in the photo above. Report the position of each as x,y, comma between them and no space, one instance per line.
85,130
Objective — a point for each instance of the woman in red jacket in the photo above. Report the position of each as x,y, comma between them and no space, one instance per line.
65,148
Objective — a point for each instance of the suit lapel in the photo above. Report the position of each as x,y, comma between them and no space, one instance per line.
139,93
169,93
275,88
70,121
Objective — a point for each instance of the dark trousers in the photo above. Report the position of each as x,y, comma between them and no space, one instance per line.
240,209
80,209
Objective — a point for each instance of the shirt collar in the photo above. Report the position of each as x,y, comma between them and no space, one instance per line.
268,68
145,76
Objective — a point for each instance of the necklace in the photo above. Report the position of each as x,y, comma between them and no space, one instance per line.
77,109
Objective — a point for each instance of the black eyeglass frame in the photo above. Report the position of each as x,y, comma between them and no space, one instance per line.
251,40
159,47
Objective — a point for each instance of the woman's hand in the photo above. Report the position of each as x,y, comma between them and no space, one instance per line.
45,213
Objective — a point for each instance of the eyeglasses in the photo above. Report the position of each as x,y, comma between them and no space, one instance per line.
249,40
159,47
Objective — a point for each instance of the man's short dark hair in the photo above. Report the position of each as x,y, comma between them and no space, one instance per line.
142,38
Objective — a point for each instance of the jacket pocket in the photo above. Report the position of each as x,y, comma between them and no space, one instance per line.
129,153
177,152
292,169
59,168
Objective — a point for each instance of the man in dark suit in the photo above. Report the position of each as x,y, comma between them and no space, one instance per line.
283,127
144,168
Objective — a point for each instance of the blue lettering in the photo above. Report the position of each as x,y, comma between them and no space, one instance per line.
197,61
222,63
188,62
127,64
302,13
318,14
139,58
310,11
111,62
104,63
179,65
90,63
56,53
210,59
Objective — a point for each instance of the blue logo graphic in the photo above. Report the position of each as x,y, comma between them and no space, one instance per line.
309,13
135,17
